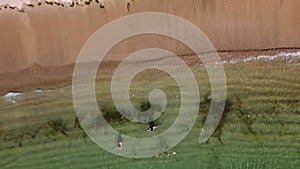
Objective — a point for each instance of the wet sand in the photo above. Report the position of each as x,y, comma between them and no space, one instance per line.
40,42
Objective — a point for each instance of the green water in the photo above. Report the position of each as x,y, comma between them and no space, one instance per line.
261,130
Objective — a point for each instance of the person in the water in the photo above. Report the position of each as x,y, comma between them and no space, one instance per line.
119,146
226,106
151,126
120,142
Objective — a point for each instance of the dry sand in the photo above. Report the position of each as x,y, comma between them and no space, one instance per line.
40,42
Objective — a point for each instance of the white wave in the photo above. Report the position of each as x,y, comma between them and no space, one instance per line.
11,97
38,91
285,56
20,3
14,3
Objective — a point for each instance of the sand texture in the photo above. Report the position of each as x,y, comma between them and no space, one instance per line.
51,34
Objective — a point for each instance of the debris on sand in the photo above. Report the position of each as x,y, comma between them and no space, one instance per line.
11,97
